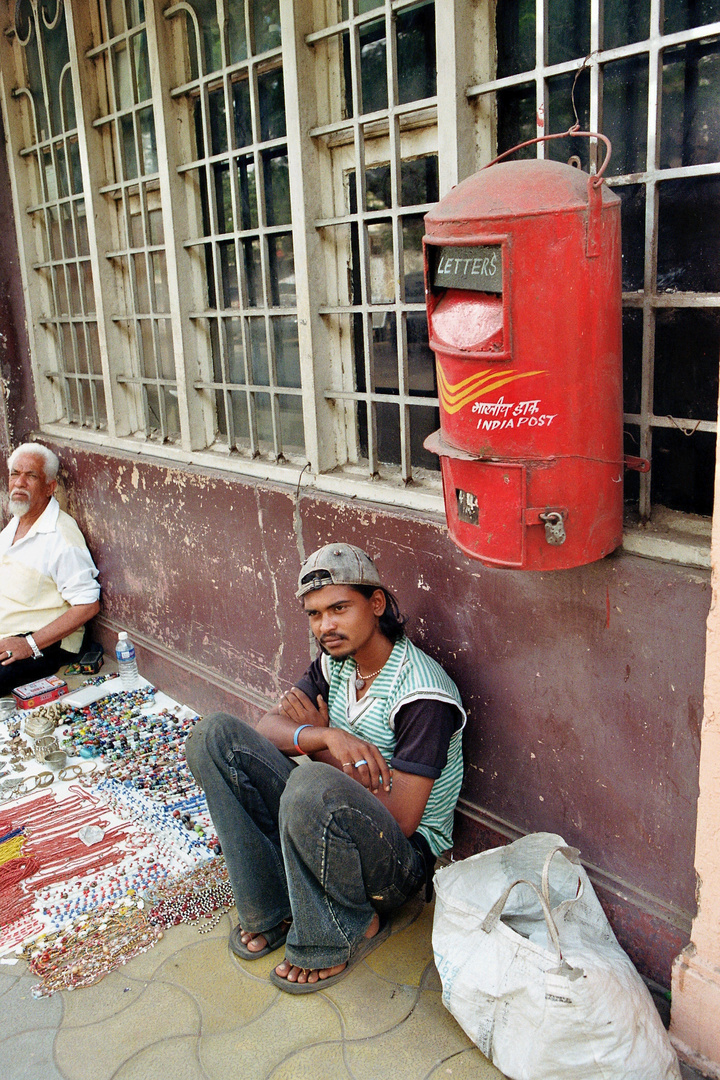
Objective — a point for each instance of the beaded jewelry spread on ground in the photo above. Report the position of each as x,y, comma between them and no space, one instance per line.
110,845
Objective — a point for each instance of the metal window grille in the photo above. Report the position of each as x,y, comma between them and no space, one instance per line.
139,254
650,80
379,134
58,211
240,168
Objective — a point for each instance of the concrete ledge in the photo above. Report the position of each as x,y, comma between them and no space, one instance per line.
694,1028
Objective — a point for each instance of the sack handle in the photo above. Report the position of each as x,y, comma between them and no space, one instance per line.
572,854
491,919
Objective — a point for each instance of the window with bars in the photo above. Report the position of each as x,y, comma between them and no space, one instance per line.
220,208
649,78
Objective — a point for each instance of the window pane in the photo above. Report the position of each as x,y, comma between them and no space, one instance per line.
385,352
228,270
287,353
218,127
243,118
632,359
515,21
258,353
625,89
382,275
277,187
631,446
413,231
633,235
560,90
373,67
683,470
625,22
516,119
282,270
686,14
240,416
416,53
272,105
266,14
248,193
570,23
253,273
419,181
291,423
687,349
689,234
691,105
234,353
377,188
263,419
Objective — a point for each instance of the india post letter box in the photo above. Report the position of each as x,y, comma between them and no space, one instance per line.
523,291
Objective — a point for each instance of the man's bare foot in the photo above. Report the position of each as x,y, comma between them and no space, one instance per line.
257,942
294,974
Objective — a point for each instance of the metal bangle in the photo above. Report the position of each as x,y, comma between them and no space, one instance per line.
70,772
44,779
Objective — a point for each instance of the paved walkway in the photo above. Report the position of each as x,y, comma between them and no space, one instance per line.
188,1010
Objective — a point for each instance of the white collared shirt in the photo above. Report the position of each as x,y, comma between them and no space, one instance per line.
44,573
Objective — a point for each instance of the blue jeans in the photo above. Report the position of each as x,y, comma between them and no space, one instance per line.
300,841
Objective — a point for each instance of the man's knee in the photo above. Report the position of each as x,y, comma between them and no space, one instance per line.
210,739
309,788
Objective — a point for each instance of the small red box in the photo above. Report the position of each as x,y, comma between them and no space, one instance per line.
40,692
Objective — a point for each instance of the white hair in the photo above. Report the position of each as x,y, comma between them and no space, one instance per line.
51,462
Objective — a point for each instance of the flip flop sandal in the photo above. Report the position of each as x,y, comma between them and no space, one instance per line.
362,949
274,937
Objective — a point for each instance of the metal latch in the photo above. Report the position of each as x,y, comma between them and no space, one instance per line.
554,527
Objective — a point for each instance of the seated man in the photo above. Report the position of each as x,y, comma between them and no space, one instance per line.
48,586
319,853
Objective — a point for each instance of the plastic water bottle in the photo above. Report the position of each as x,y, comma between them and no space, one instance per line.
127,664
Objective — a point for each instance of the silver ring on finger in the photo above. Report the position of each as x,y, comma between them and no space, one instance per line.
346,764
362,761
9,653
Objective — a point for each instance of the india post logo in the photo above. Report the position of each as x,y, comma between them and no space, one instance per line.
454,396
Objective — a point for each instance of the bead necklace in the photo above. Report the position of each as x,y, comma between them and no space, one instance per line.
203,893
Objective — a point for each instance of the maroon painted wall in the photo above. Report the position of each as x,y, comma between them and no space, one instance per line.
583,687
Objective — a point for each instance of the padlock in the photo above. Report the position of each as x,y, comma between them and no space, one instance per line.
554,528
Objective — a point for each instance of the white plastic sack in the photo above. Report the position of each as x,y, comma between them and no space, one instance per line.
533,973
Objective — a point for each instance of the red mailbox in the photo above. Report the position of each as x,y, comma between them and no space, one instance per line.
523,291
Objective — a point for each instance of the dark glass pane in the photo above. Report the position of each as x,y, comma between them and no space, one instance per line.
129,158
271,100
388,432
377,188
631,446
419,181
516,119
282,270
240,418
633,235
57,56
142,67
683,470
253,275
223,198
569,21
75,170
687,352
385,352
373,67
206,11
241,108
686,14
690,105
248,193
277,187
259,370
415,30
413,230
218,127
625,87
423,421
562,117
689,235
263,420
515,22
625,22
632,359
61,173
266,15
287,352
237,37
291,423
228,271
199,140
234,351
147,140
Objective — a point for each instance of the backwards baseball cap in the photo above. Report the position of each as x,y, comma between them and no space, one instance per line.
337,564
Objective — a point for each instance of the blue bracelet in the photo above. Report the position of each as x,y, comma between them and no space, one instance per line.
295,737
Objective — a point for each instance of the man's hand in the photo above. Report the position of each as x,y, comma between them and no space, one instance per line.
14,648
299,708
357,758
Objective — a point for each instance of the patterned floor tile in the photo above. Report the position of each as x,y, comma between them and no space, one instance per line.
175,1059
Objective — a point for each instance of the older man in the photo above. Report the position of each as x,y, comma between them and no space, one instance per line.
48,586
319,854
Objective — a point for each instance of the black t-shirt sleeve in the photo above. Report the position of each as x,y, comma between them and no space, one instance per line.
423,730
313,682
